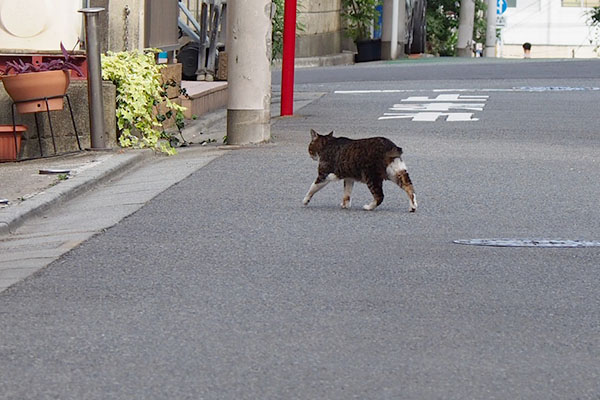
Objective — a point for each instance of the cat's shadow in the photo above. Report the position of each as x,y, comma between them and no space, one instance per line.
354,210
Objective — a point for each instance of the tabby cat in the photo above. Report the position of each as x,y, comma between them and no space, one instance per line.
370,161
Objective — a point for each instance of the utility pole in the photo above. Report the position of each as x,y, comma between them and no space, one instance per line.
392,32
490,32
465,28
249,71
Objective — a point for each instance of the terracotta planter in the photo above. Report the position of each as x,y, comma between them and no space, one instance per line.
9,149
37,85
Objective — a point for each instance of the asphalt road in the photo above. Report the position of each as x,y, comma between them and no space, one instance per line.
449,68
226,287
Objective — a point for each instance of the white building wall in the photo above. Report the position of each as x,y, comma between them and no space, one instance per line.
38,25
553,30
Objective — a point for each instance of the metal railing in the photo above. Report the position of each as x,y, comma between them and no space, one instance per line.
203,22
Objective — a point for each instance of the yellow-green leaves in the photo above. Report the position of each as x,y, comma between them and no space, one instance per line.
138,81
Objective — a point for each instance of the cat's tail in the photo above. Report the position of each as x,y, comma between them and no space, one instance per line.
391,155
397,173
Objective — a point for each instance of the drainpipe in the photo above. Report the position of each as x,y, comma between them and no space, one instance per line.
92,46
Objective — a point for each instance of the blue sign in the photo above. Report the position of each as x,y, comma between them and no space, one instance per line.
501,6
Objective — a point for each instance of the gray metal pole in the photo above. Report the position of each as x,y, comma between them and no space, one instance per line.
98,134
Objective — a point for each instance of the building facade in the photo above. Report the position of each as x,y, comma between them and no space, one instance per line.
555,29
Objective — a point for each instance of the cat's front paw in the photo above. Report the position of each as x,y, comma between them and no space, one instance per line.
306,200
346,204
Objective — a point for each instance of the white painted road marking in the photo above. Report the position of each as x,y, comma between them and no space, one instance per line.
431,109
438,107
513,89
376,91
431,116
447,97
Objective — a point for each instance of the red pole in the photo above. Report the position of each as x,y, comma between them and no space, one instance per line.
289,52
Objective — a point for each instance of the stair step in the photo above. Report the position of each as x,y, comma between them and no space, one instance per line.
203,97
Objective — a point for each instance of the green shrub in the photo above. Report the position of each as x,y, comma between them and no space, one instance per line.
139,90
442,25
359,16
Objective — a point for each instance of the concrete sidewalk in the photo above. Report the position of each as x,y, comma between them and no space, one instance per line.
29,188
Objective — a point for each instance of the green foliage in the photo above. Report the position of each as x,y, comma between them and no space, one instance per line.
277,34
442,28
480,23
277,28
359,16
139,92
594,22
594,16
442,25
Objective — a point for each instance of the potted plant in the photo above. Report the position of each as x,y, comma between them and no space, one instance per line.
48,80
10,141
360,15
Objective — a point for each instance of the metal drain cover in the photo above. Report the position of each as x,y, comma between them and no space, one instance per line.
529,243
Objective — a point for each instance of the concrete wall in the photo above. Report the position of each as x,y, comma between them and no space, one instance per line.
322,33
61,121
102,23
125,25
548,51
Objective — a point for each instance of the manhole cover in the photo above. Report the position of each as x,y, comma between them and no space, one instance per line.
528,243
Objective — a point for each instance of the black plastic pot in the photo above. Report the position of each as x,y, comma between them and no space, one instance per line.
368,50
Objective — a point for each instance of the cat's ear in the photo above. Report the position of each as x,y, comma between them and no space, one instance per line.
330,133
313,134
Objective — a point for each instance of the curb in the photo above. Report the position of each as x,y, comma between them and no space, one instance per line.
13,217
346,58
206,121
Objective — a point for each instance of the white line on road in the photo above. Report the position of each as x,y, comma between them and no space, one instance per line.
430,116
447,97
376,91
438,107
514,89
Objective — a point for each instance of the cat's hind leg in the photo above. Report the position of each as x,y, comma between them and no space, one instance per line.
348,184
376,188
319,184
407,185
397,173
